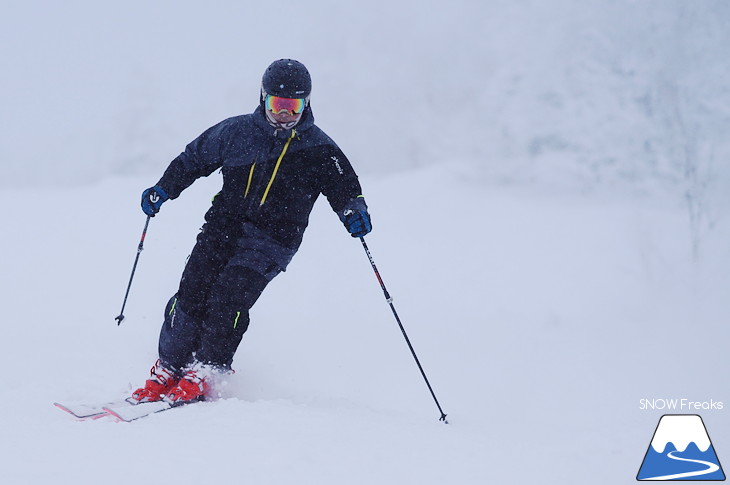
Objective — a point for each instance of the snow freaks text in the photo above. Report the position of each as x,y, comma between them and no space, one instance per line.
679,404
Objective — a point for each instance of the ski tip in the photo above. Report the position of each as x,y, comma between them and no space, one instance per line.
81,414
61,407
114,414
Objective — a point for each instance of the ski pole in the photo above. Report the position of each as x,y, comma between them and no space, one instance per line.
120,317
402,329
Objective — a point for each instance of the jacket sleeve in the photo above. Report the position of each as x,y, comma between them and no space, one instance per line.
201,157
340,183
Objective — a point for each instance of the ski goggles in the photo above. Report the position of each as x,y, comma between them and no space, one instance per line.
277,104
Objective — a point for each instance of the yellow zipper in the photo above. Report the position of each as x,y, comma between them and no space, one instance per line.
276,168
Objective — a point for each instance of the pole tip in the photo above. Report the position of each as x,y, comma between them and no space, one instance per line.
119,319
443,418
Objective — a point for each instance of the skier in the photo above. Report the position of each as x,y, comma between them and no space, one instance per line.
275,162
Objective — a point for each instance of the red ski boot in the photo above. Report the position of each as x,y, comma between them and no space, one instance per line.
161,381
191,388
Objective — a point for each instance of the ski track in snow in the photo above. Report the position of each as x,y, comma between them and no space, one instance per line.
711,468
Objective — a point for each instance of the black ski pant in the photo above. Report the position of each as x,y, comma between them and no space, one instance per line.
223,277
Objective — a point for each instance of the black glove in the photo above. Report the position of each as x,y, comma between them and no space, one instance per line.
152,200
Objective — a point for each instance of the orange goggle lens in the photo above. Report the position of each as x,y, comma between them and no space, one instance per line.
277,104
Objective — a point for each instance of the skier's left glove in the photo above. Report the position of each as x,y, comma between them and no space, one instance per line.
356,218
152,200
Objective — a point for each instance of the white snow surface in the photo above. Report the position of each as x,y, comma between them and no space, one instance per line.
681,430
541,320
551,219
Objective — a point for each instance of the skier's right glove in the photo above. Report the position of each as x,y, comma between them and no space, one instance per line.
152,200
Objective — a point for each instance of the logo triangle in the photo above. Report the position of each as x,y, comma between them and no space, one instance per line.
680,449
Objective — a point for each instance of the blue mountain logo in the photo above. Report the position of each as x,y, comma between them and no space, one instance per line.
681,450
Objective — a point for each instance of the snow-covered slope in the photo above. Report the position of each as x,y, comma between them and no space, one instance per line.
540,320
680,431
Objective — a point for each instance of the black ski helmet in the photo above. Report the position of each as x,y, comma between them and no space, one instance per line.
287,78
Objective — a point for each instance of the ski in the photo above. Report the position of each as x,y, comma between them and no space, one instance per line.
84,411
128,413
123,410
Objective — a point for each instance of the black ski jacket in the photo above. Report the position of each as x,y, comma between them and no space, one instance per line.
271,177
